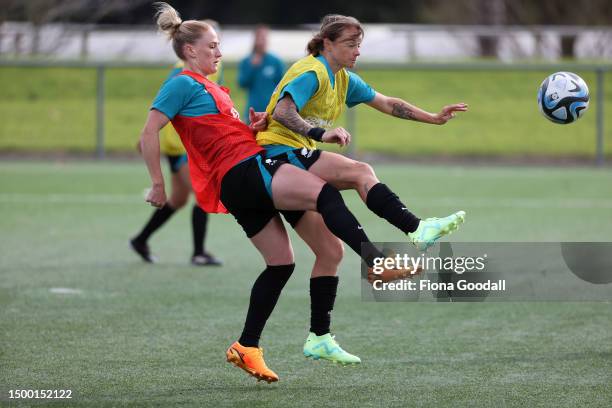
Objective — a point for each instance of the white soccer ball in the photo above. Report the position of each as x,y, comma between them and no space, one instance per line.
563,97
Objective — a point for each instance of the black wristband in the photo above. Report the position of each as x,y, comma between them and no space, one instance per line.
316,133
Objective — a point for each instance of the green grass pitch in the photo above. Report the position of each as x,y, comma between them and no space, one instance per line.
54,109
141,335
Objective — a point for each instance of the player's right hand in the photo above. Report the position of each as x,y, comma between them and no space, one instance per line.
156,196
338,135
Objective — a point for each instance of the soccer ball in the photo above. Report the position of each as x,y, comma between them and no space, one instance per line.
563,97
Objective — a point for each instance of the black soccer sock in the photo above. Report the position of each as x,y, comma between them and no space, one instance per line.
264,295
343,224
322,296
199,222
386,204
159,218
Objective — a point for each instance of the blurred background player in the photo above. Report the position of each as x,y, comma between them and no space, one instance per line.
172,147
259,73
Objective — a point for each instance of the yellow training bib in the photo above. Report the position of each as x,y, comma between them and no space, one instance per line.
325,106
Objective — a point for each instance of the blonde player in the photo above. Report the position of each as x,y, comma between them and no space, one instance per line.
174,151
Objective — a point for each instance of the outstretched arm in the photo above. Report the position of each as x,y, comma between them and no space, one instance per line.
149,144
287,115
399,108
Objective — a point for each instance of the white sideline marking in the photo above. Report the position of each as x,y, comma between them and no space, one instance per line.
65,291
454,202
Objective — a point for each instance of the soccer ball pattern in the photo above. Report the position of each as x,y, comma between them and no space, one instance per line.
563,97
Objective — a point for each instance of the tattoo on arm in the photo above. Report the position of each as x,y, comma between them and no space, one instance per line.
287,115
403,111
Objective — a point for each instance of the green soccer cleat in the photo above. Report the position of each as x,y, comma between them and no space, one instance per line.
327,348
432,229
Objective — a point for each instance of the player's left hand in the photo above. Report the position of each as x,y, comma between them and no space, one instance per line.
340,136
448,112
259,120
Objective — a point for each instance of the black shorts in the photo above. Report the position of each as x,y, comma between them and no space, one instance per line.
302,157
247,195
176,162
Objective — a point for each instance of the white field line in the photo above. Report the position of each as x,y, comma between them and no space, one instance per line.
65,291
463,202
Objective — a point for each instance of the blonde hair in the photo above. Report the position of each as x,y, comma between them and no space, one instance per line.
178,31
213,23
332,27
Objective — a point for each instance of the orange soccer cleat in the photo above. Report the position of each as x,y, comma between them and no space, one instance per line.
250,359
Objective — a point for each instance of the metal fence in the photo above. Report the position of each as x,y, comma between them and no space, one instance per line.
600,70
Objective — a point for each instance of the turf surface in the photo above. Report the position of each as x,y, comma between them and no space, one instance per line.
141,335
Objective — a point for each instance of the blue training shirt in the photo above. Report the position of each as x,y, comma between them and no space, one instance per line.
183,95
305,85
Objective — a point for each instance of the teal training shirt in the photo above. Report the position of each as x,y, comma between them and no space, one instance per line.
183,95
303,87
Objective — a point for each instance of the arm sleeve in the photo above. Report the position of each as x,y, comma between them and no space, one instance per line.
173,96
301,89
358,91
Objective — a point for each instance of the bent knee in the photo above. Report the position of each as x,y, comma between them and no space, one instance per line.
178,202
281,257
362,173
363,167
331,253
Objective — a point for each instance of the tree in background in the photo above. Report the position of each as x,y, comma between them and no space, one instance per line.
41,12
561,12
276,12
520,12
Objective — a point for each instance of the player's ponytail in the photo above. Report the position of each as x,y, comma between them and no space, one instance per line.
178,31
315,45
168,19
332,26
